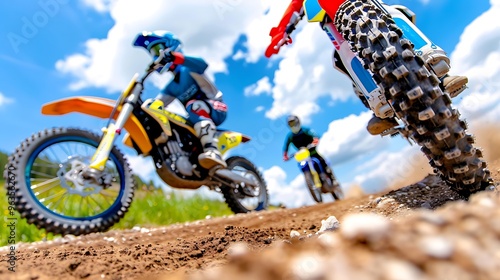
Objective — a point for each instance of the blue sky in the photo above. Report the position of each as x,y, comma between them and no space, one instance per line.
58,48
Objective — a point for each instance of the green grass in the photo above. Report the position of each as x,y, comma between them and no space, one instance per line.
149,208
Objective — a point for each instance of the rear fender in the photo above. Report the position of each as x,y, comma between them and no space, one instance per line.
230,139
101,108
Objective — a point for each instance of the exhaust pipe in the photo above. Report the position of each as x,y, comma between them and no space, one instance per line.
229,175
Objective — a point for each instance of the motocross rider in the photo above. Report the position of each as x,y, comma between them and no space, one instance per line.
301,136
454,85
191,87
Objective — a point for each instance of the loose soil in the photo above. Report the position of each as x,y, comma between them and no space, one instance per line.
259,245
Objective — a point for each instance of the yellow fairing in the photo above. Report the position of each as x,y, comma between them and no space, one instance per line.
230,139
302,154
313,11
164,117
101,108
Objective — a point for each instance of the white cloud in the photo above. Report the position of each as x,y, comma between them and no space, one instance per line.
110,62
142,166
392,170
305,74
262,86
99,5
347,139
238,55
4,100
291,195
260,109
476,56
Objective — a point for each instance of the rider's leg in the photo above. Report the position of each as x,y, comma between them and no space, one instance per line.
200,113
326,167
322,161
435,58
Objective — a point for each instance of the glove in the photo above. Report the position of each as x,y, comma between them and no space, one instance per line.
167,58
315,142
285,156
277,35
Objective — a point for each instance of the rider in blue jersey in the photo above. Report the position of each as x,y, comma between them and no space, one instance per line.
203,101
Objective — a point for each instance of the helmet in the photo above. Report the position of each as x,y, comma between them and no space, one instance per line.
154,41
294,123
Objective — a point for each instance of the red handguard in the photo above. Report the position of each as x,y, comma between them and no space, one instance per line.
273,48
277,33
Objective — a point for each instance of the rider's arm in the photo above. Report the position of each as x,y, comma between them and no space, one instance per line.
195,64
288,141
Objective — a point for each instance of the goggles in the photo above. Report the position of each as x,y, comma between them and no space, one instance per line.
156,49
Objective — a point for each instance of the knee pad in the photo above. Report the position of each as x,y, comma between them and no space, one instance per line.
199,108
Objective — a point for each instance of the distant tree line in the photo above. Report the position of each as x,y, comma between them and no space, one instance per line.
3,161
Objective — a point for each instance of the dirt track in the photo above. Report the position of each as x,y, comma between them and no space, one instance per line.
178,251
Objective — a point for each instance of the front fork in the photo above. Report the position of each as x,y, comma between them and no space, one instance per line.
314,173
129,97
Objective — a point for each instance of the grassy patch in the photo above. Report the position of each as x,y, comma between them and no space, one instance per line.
149,208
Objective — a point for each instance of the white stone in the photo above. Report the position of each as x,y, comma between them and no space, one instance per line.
331,223
437,247
365,226
237,250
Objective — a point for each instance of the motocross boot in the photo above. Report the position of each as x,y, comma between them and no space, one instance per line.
438,62
377,125
211,157
330,174
454,85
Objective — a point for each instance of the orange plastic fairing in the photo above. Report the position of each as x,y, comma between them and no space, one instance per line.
101,108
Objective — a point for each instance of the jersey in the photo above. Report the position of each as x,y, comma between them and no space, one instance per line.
183,86
300,139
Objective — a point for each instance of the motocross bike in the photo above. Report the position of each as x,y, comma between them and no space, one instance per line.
394,68
72,181
317,179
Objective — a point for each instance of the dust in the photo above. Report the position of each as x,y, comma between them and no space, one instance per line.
487,137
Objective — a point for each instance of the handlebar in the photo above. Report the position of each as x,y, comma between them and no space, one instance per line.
157,63
294,20
310,146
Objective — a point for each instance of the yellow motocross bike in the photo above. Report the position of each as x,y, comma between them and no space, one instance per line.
73,181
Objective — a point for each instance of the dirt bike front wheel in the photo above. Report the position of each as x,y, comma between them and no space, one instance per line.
51,190
315,191
415,95
236,198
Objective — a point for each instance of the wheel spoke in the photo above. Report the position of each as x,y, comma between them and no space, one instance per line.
69,196
53,196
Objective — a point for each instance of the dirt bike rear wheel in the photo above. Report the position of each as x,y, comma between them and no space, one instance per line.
337,192
50,193
236,199
415,95
315,191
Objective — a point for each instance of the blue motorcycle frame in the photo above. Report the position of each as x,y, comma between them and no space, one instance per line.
317,180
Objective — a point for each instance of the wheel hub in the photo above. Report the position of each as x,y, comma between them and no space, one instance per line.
74,181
